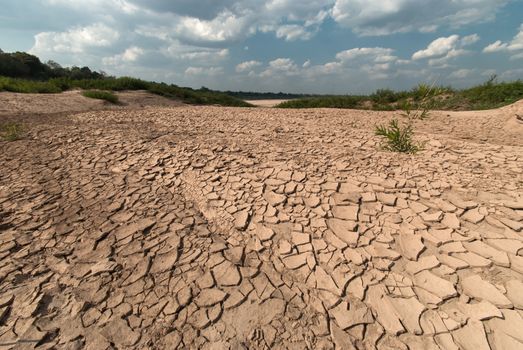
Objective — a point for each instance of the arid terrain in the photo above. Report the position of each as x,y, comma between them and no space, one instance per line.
265,103
157,225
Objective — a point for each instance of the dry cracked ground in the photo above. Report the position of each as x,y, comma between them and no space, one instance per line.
221,228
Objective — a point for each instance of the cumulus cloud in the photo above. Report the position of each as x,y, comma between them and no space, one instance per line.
378,17
129,55
205,55
377,54
443,49
515,44
225,27
293,32
204,9
75,40
470,39
247,66
281,66
438,47
209,71
97,5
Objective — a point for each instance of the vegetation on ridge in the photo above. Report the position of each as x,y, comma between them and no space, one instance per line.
491,94
101,95
25,73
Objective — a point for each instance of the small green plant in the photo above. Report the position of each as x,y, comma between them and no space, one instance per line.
398,138
101,95
12,131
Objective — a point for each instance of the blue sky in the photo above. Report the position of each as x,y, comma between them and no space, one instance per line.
315,46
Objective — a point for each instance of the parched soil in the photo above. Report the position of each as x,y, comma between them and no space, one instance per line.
246,228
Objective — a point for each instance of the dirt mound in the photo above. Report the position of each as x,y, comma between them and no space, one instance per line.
16,104
252,228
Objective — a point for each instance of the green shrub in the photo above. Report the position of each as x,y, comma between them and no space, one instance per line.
324,102
12,131
384,96
27,86
101,95
398,138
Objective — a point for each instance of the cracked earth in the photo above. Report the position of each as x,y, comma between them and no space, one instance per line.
222,228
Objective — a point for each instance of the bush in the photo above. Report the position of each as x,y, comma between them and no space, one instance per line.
384,96
398,138
12,131
27,86
324,102
101,95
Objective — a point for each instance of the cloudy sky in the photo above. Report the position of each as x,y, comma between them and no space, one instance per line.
308,46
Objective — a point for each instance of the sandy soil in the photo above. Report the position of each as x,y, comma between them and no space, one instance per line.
265,103
14,104
253,228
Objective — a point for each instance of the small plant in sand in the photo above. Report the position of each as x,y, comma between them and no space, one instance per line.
399,136
101,95
12,131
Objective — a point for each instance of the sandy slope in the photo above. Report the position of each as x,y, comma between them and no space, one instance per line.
265,103
224,228
73,101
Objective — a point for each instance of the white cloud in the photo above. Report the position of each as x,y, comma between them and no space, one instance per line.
225,21
190,53
129,55
97,5
205,55
293,32
375,62
76,40
496,46
438,47
247,66
281,66
443,49
225,27
470,39
210,71
515,44
461,73
385,17
132,54
377,54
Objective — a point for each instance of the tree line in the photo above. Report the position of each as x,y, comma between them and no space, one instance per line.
24,65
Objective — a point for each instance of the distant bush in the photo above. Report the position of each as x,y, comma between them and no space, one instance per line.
493,94
485,96
324,102
384,96
101,95
27,86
